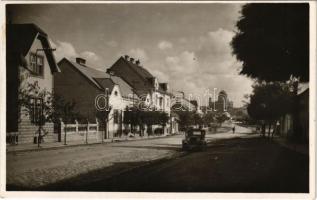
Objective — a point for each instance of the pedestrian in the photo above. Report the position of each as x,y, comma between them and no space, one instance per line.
233,129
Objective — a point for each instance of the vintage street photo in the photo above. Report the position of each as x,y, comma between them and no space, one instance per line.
158,97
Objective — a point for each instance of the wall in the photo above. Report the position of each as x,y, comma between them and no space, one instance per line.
73,86
26,129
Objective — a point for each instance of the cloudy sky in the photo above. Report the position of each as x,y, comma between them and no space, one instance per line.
186,45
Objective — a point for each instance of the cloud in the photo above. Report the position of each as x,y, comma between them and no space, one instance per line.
138,54
185,62
67,50
163,45
64,49
208,65
91,56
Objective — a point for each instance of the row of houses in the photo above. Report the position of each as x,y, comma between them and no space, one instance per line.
125,84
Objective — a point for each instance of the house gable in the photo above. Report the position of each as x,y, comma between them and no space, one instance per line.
123,69
73,86
20,39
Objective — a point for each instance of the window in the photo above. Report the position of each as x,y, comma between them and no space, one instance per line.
161,101
36,105
116,93
116,116
37,64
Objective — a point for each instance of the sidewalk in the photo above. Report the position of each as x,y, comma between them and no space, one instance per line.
54,145
300,148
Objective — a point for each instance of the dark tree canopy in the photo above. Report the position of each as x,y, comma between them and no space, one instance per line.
270,101
273,41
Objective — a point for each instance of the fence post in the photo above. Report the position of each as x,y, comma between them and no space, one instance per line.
76,122
97,129
60,131
64,126
87,131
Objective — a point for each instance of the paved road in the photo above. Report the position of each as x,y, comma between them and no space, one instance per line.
30,170
233,165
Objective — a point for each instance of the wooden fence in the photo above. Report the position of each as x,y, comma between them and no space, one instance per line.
86,132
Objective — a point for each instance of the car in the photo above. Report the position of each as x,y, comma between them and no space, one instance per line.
194,139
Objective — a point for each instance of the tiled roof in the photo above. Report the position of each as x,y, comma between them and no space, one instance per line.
125,89
105,83
91,73
20,38
103,80
140,70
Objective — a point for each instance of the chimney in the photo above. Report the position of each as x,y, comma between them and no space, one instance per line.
131,60
126,57
137,62
80,61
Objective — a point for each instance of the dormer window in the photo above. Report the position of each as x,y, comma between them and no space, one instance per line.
37,64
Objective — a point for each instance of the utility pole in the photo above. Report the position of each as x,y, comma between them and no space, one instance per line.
40,120
106,114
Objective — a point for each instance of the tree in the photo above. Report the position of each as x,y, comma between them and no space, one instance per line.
163,119
272,41
43,107
197,119
208,118
269,102
222,117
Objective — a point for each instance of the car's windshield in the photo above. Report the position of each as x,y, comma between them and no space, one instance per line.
196,132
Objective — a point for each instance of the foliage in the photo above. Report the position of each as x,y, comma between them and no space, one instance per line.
270,101
222,117
197,119
139,117
65,110
54,108
30,91
185,118
272,41
208,118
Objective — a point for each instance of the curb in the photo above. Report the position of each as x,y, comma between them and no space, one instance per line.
83,144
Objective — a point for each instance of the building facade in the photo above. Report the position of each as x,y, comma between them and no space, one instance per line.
146,86
30,61
91,89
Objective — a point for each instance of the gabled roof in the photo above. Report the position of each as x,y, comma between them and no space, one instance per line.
20,38
139,69
105,83
125,89
103,80
91,73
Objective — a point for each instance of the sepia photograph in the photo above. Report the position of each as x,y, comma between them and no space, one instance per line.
159,97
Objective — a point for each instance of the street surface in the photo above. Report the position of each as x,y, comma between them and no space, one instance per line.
240,162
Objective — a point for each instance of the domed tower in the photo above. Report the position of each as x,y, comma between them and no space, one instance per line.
222,101
222,95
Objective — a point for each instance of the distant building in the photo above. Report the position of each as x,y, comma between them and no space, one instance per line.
222,104
181,103
155,94
27,63
143,82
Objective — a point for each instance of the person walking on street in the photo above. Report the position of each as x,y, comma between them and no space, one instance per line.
233,129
